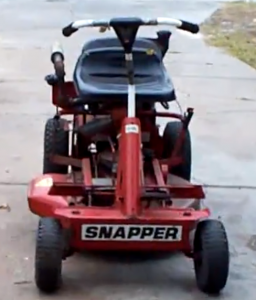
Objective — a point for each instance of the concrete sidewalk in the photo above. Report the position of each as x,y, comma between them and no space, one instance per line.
223,92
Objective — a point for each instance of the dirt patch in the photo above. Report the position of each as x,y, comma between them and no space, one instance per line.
233,28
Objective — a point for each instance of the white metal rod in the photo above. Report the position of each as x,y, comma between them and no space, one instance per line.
131,101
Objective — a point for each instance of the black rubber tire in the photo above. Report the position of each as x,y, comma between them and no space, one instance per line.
211,256
56,141
170,136
48,256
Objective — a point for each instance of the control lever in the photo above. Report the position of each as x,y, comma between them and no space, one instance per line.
57,58
165,105
163,37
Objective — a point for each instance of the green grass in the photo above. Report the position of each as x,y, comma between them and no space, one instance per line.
233,28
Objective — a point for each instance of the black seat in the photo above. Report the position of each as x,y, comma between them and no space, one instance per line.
100,73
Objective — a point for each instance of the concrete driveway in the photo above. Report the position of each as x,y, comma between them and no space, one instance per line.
223,92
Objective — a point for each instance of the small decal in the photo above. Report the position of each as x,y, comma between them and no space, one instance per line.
132,128
104,29
150,52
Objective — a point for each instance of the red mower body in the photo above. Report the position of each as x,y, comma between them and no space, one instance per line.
135,220
111,181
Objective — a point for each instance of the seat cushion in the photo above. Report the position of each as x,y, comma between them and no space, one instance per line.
100,73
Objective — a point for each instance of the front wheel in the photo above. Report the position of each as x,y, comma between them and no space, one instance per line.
48,256
211,256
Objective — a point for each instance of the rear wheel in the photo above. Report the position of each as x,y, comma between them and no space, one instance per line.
170,137
211,256
48,256
56,142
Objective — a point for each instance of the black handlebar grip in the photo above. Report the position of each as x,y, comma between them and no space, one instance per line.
190,27
68,30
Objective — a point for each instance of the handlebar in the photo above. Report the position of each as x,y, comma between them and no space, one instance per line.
180,24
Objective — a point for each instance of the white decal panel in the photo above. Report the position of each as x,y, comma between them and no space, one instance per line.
132,128
146,233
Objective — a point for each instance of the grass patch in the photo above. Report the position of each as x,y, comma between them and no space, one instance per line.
233,28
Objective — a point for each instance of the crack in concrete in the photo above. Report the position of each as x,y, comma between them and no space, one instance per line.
213,186
213,77
234,187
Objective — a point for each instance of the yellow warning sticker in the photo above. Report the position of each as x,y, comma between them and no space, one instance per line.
150,51
104,28
45,182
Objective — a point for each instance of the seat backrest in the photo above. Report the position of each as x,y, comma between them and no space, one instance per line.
102,43
104,60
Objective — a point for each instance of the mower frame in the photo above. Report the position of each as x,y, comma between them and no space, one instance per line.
128,189
49,195
138,204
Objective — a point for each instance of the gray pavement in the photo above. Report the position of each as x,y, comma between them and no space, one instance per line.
223,92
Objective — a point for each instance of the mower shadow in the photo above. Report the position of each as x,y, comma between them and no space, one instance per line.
121,271
127,257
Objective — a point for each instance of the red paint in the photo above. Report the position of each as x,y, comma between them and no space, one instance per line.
126,189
